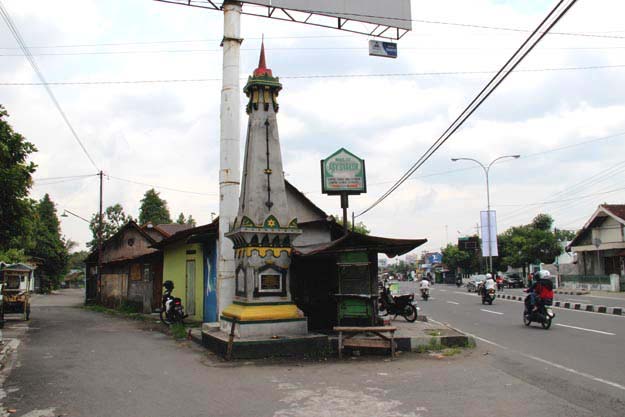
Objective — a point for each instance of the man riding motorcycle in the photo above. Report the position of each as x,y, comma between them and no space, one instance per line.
489,284
541,291
424,286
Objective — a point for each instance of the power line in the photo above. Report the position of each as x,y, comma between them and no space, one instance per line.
63,178
162,187
299,48
312,76
490,87
18,37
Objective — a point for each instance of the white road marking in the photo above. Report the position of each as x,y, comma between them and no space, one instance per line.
443,290
559,308
546,362
453,302
587,330
575,300
490,311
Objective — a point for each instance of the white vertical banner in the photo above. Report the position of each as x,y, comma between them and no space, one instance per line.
489,241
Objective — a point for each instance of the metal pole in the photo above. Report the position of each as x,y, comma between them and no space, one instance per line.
353,221
229,169
490,248
100,222
344,206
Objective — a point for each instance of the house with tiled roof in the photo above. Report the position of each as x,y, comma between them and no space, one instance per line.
600,244
132,270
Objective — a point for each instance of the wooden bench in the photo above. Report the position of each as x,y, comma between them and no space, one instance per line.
384,341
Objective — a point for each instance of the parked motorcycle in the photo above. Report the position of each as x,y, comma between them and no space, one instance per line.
543,314
398,305
425,293
488,296
172,311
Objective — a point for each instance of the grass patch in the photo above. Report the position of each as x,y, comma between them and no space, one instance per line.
178,331
434,332
451,351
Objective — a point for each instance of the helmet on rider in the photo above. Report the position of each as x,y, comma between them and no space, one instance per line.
542,274
489,276
168,285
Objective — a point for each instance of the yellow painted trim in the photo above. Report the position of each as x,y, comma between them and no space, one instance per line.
263,251
262,312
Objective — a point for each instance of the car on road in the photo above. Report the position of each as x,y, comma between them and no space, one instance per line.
513,281
474,282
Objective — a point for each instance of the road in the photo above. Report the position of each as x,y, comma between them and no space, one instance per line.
80,363
608,301
582,351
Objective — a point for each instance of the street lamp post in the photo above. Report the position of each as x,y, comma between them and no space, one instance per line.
486,169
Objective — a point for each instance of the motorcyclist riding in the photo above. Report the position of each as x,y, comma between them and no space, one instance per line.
541,290
424,286
489,284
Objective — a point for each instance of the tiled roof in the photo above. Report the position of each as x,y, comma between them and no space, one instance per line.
616,209
173,228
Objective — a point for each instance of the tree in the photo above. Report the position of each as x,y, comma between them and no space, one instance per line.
113,219
360,227
564,235
77,260
153,209
521,246
542,222
189,220
15,182
49,244
467,260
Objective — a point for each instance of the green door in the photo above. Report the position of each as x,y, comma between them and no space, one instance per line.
190,288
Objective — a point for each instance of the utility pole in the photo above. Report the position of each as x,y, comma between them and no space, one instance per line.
229,169
99,277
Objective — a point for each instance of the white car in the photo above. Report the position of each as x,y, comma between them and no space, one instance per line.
474,281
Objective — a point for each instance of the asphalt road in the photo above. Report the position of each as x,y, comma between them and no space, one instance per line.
582,350
78,363
608,301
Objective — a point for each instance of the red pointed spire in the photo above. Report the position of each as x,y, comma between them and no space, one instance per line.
262,63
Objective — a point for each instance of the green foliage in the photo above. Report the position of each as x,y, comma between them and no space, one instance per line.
113,219
49,244
359,227
542,222
400,267
12,256
77,260
189,220
466,261
15,182
178,331
522,245
564,235
153,209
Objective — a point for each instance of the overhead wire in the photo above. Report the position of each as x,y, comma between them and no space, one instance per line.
490,87
18,37
162,187
312,76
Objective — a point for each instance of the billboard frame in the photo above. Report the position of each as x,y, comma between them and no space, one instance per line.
306,17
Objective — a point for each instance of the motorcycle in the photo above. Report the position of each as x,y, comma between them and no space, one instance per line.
425,293
458,282
543,314
399,305
172,311
488,296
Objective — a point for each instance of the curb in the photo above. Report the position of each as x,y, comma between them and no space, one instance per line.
573,292
618,311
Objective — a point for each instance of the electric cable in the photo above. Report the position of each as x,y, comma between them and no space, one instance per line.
490,87
311,76
18,37
162,187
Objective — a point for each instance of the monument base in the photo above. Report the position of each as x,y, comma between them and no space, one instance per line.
263,320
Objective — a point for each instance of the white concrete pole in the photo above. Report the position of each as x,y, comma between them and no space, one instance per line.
229,168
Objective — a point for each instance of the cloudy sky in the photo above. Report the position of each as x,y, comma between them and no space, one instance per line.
566,120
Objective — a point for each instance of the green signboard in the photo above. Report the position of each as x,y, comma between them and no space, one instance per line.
343,173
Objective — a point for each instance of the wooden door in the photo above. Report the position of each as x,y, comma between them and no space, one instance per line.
190,288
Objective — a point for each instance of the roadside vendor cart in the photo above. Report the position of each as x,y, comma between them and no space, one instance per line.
17,283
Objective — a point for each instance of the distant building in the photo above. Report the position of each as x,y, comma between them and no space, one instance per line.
600,244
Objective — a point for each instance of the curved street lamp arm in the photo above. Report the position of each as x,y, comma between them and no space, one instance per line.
502,157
